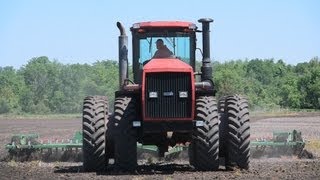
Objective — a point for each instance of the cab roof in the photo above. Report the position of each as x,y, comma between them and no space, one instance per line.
163,24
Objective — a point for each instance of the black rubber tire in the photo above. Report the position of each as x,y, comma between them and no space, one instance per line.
125,135
205,139
94,126
221,104
238,133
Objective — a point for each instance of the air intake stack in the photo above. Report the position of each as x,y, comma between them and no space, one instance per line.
206,68
123,55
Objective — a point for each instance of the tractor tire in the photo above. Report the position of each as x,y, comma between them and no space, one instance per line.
94,127
238,133
221,104
125,134
204,152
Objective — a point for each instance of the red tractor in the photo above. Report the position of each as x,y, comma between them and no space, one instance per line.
166,103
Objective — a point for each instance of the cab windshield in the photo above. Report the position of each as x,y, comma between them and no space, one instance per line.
178,45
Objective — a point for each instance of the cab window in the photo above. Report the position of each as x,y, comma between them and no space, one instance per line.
179,46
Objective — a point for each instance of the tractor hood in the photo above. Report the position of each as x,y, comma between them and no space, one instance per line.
167,65
167,77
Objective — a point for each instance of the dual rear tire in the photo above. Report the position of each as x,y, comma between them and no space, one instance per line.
107,137
125,135
204,148
226,133
95,121
235,132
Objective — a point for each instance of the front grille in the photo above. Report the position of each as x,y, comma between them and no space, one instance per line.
168,104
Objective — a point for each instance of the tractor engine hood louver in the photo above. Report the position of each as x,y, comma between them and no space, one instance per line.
168,91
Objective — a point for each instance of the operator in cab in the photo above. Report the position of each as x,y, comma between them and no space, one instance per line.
163,51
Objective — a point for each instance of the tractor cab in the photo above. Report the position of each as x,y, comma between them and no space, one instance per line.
162,40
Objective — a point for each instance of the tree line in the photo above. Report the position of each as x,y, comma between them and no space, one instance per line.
48,86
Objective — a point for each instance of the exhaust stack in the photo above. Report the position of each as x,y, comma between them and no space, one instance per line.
123,55
206,69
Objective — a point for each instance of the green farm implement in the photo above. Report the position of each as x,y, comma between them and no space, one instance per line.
281,143
173,152
24,146
30,146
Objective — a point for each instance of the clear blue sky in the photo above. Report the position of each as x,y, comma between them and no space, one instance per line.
75,31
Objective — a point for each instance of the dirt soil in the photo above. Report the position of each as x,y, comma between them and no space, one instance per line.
283,167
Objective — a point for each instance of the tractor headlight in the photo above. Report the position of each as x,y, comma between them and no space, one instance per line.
183,94
153,94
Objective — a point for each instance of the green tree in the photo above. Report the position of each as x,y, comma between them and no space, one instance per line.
309,83
11,85
40,76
